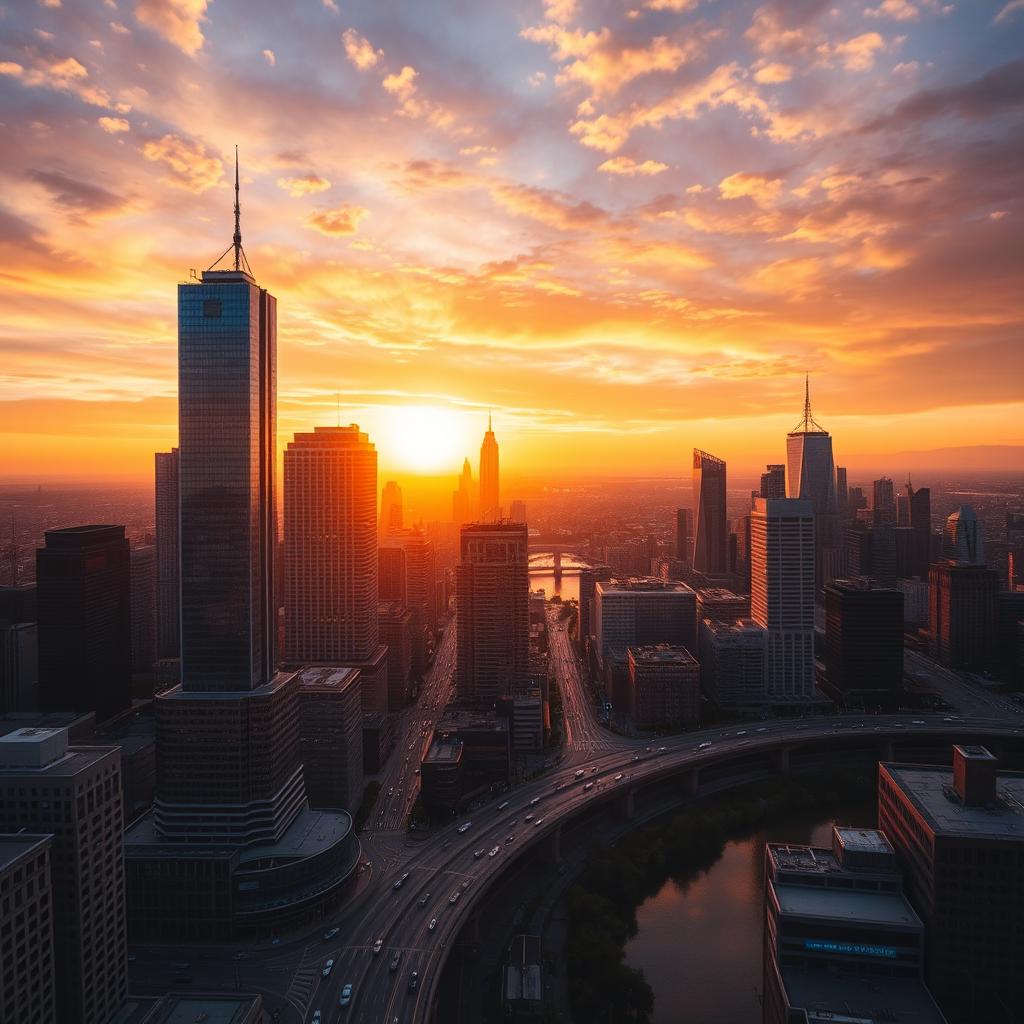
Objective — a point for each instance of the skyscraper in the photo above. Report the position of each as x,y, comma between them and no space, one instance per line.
711,533
920,502
168,642
963,615
684,534
773,482
490,495
883,502
492,611
963,537
810,475
83,576
462,497
392,516
19,648
782,592
330,547
143,603
842,493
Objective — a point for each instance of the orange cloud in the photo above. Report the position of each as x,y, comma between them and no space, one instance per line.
773,74
304,184
113,125
359,50
190,166
759,187
343,220
178,21
628,166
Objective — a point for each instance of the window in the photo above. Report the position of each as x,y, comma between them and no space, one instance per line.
211,308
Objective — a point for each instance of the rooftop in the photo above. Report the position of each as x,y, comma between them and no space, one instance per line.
210,1009
177,693
854,906
627,586
12,847
863,840
849,999
327,677
669,654
930,788
443,749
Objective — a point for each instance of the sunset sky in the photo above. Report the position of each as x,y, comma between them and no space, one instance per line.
628,229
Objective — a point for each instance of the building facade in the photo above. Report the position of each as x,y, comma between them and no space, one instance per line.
710,534
490,491
963,615
733,663
144,608
664,686
168,584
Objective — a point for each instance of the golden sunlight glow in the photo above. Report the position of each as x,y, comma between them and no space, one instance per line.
424,439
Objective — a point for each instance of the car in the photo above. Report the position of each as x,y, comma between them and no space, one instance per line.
538,823
317,1017
661,750
636,757
464,827
704,745
514,821
509,838
535,801
528,817
377,947
454,898
330,933
395,960
494,851
648,749
423,899
619,777
414,980
593,771
401,881
391,789
742,732
477,854
917,721
465,885
416,772
346,995
502,805
589,785
432,925
328,967
763,729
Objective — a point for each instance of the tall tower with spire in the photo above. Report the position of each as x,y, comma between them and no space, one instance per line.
490,501
811,475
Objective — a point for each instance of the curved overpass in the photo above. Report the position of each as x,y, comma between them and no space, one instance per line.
694,764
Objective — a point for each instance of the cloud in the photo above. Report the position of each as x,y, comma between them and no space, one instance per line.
856,54
178,21
784,27
678,6
1008,10
270,57
113,125
548,207
340,221
402,85
359,50
304,184
332,6
772,74
759,187
894,10
77,196
627,166
190,166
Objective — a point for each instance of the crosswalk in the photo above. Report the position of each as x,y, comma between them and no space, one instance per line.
304,980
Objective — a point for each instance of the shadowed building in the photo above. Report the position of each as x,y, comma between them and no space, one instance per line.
963,615
711,532
168,585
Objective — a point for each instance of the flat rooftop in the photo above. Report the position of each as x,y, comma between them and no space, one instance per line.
443,749
643,586
854,906
177,693
332,678
930,788
17,845
663,654
863,840
846,999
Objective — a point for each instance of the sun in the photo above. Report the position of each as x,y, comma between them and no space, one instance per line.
424,439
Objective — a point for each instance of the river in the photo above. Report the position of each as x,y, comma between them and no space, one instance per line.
699,944
568,587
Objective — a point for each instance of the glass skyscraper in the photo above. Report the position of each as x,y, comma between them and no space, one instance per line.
227,391
710,535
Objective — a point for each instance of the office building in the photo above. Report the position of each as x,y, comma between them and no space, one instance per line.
710,536
863,643
168,583
392,516
391,572
83,580
525,714
733,663
408,569
490,492
842,490
463,497
810,476
964,541
331,736
915,601
841,941
782,591
28,980
330,548
683,547
143,608
721,605
492,608
231,847
517,511
19,648
664,687
441,774
396,632
642,611
883,503
773,482
920,505
589,578
959,835
74,794
963,615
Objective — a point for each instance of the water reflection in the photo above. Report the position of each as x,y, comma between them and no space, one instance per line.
699,942
567,587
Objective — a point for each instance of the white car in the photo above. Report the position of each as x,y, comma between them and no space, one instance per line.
328,967
378,946
494,851
535,801
528,817
477,854
317,1018
464,827
589,785
618,778
432,925
704,745
538,823
346,995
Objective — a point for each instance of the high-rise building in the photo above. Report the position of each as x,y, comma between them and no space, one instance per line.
682,549
721,605
963,537
863,642
589,579
664,686
83,576
883,502
392,579
842,491
330,547
773,482
19,648
810,475
517,511
963,615
733,661
408,572
957,833
782,592
490,493
492,595
710,537
463,503
392,516
396,633
74,794
28,990
168,584
207,861
920,503
841,941
143,590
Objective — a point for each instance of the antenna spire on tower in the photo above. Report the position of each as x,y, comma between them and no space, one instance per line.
241,263
808,423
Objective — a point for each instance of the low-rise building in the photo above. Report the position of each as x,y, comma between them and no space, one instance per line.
664,687
733,663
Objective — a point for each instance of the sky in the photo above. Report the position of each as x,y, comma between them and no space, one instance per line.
628,229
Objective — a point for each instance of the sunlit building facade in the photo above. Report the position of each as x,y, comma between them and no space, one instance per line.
490,492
